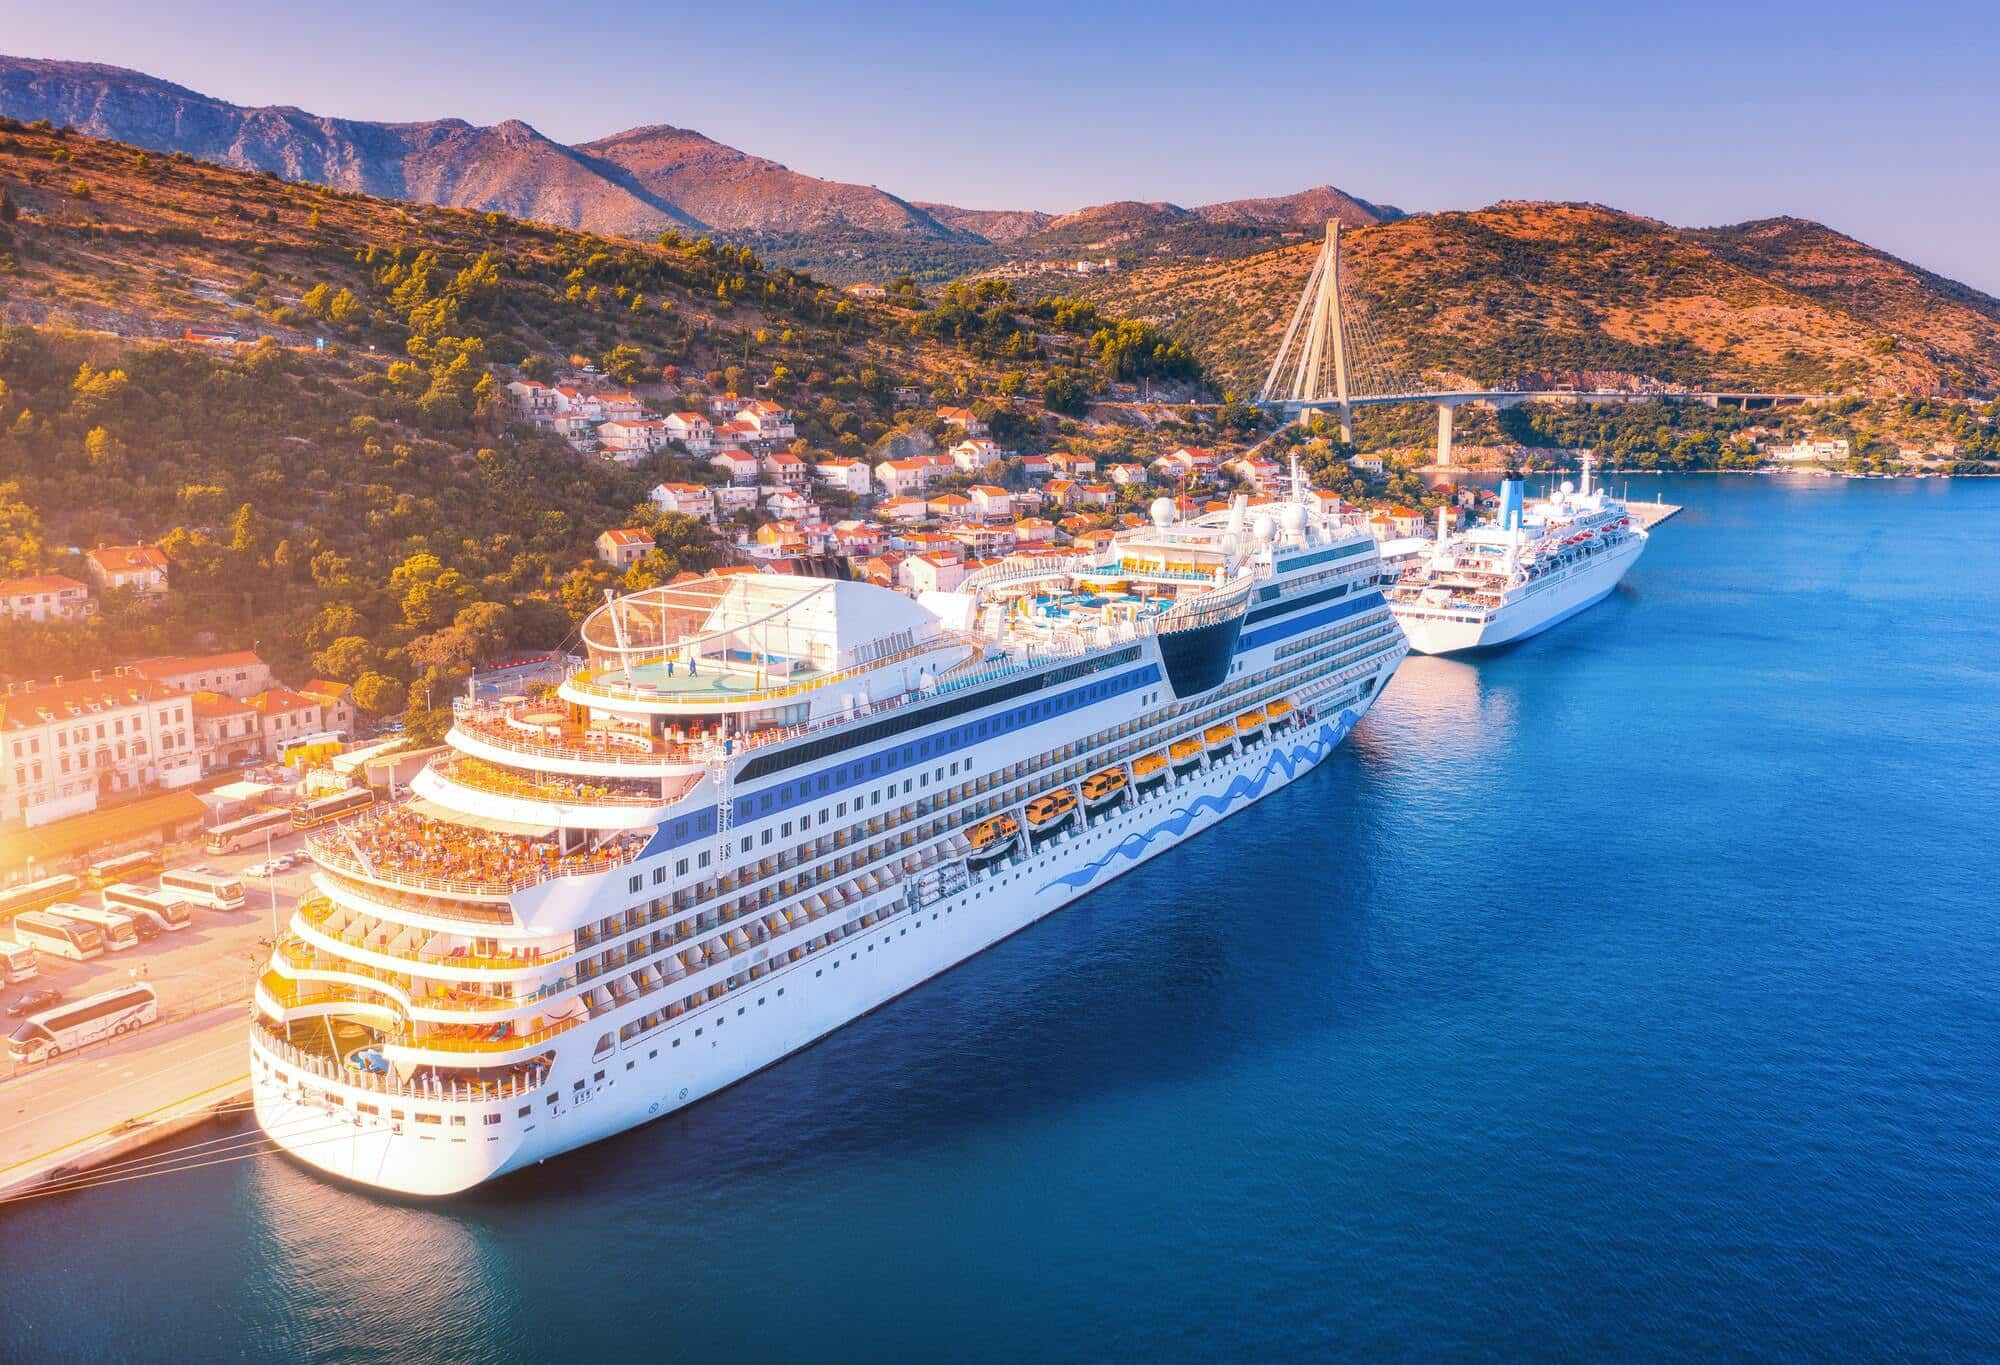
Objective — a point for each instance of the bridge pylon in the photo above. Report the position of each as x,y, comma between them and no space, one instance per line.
1311,366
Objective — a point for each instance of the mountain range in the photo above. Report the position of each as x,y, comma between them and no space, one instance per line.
634,183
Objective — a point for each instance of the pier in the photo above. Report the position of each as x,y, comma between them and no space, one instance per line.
1651,514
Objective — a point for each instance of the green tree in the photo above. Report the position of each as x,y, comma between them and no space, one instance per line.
377,693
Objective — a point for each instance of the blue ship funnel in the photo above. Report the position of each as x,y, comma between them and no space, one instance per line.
1510,504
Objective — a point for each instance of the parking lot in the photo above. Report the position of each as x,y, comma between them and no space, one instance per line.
208,965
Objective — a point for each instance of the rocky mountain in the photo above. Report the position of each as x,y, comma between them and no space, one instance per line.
637,182
1580,294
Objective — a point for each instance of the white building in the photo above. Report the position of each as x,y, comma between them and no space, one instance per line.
45,597
692,430
689,499
141,568
850,476
63,744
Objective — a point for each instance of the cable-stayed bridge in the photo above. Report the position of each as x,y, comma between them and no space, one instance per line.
1333,358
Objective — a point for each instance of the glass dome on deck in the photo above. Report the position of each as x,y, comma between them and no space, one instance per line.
774,627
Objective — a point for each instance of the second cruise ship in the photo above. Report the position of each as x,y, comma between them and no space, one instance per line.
766,804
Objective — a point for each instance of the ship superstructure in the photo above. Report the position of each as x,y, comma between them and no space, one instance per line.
1536,564
766,804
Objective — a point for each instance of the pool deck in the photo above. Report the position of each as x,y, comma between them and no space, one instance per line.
715,681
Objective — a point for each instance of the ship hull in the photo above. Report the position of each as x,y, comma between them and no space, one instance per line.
1568,594
705,1051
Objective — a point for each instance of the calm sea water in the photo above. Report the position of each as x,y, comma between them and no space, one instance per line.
1631,992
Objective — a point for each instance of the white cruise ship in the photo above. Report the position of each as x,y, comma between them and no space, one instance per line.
1534,566
768,804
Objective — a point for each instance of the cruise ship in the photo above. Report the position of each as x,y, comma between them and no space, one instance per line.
1536,565
762,805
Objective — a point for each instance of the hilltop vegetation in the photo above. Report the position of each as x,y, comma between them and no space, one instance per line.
1571,294
370,508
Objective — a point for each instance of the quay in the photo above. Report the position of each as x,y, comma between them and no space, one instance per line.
1651,514
63,1118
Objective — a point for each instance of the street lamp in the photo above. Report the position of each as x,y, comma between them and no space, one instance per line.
271,882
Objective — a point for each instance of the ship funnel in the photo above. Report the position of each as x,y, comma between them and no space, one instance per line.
1510,504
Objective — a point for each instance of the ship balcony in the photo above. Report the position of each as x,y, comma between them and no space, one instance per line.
311,1055
394,944
312,970
468,782
547,733
740,681
412,1039
396,847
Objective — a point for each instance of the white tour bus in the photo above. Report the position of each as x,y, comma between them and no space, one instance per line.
59,937
166,912
18,962
211,890
68,1027
249,831
116,928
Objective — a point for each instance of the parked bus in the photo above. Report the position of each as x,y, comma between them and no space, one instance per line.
126,867
36,895
91,1019
117,929
249,831
211,890
18,962
58,936
164,911
324,810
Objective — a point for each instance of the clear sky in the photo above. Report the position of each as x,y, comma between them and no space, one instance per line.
1882,120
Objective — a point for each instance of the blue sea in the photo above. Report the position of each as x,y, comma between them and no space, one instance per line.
1634,992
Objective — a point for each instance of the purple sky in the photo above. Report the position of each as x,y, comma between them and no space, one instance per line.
1883,122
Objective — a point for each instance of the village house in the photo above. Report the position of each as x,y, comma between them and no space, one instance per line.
975,453
964,419
990,502
695,433
950,506
624,547
1035,467
789,503
865,291
620,406
689,499
1069,466
1059,493
1127,475
1094,495
923,573
285,717
786,469
768,420
1826,450
533,401
726,405
629,439
1367,464
736,497
336,705
44,597
1187,462
1259,471
780,538
737,432
1034,531
142,568
66,743
857,539
881,569
983,542
902,510
740,465
240,673
901,477
850,476
226,731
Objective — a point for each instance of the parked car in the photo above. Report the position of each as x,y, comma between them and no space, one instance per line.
30,1001
285,862
261,869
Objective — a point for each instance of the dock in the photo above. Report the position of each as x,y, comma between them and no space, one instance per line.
1651,514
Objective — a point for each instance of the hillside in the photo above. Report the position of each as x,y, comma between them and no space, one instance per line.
1578,294
378,489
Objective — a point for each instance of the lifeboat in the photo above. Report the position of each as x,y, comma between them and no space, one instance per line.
1187,755
993,840
1149,770
1103,790
1250,725
1279,713
1219,737
1048,812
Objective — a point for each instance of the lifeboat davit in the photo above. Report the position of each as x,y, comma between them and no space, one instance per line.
1149,770
1219,738
993,840
1187,755
1048,812
1279,713
1250,725
1103,790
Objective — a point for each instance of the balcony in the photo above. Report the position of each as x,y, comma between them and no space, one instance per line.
396,846
329,920
429,1084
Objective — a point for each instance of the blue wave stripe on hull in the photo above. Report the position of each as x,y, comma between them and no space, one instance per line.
1134,845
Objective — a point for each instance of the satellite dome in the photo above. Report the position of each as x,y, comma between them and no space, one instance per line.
1264,527
1292,517
1568,488
1163,511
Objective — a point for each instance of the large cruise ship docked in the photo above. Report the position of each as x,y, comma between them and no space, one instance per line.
767,804
1538,564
